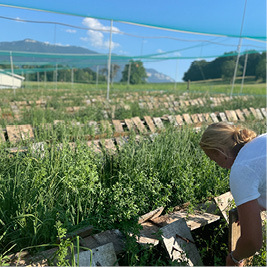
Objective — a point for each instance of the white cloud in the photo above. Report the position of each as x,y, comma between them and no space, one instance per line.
96,35
160,51
71,31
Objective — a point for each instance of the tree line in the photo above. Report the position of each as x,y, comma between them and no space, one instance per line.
223,67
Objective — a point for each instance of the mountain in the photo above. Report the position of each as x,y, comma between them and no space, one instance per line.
29,45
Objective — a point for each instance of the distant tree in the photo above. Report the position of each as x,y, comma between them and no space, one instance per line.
260,71
196,71
137,72
228,69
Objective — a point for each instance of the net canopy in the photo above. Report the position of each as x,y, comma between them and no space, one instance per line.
170,30
214,17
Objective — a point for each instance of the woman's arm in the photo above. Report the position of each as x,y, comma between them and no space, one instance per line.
251,231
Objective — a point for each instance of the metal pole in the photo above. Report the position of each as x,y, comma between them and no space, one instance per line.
176,74
109,58
239,47
244,73
12,71
72,76
97,71
129,74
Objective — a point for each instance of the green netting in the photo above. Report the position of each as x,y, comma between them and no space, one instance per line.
207,16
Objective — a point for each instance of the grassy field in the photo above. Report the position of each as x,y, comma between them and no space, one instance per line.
43,194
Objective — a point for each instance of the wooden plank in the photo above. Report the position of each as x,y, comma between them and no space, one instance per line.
56,122
38,149
207,117
151,215
225,202
194,221
158,122
187,118
114,236
200,117
150,124
222,116
253,111
26,132
179,119
18,133
195,118
240,114
246,112
117,126
214,117
120,141
147,234
180,244
100,256
259,115
234,229
2,136
139,124
94,145
130,124
231,115
109,145
264,112
172,120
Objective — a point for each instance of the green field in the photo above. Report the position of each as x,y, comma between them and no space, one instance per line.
43,194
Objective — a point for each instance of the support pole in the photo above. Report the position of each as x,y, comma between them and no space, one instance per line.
97,71
72,78
129,74
238,50
244,74
12,71
109,58
176,74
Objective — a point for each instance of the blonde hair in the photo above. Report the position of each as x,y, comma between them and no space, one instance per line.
227,137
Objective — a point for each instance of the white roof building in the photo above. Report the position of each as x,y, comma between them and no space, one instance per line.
9,80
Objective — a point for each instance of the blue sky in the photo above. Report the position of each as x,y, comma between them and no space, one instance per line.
133,40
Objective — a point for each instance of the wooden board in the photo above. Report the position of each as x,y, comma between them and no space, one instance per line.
101,256
253,111
246,112
231,115
200,117
194,221
225,202
172,120
259,115
158,122
94,145
179,119
109,144
222,116
180,244
130,124
120,141
150,123
151,215
214,117
139,124
2,136
240,115
114,236
195,118
263,111
117,126
234,229
18,133
207,117
187,118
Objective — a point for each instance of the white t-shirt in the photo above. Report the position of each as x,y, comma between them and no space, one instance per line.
248,173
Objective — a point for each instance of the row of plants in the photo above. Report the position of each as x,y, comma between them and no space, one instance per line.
65,188
57,110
